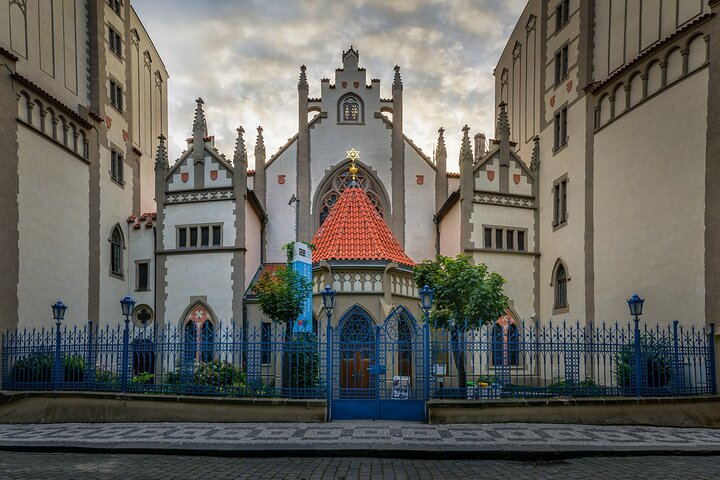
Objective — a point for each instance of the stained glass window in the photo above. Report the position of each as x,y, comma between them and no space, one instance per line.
342,181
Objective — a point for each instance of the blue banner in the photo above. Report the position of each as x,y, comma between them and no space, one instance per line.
302,263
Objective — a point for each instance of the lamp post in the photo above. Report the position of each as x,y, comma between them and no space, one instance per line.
128,305
427,295
328,298
58,310
635,303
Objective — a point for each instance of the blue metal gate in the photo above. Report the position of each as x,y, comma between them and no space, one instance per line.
378,371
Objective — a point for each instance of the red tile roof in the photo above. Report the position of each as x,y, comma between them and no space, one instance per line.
354,230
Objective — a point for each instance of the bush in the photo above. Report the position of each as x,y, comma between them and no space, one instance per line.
586,387
40,367
654,359
144,378
304,362
218,374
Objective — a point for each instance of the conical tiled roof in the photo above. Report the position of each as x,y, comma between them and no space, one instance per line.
354,230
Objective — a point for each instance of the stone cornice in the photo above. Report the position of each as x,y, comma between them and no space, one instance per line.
504,200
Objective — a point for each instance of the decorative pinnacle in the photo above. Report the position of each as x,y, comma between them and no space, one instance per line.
240,152
465,148
441,138
503,123
199,122
303,77
535,159
260,142
161,159
353,155
397,81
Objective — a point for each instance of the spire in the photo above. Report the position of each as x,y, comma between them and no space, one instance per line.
440,149
259,146
503,127
535,160
350,59
465,147
240,155
199,122
161,158
397,82
303,77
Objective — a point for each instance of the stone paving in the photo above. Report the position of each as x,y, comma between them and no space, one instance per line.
41,466
358,438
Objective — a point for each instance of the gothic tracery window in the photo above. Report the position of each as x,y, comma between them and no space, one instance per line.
342,181
350,110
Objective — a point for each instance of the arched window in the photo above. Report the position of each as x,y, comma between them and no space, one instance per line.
505,342
338,183
560,287
199,329
350,109
116,251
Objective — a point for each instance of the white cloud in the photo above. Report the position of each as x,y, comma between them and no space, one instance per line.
243,58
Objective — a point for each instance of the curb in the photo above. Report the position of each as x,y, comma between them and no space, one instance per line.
369,451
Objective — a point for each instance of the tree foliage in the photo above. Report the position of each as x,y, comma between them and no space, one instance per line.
466,295
282,293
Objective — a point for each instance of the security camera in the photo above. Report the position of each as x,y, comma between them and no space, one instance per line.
293,199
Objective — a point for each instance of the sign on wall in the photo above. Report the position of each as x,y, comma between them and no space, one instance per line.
302,263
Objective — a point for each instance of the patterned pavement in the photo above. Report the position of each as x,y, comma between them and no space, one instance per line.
360,439
53,466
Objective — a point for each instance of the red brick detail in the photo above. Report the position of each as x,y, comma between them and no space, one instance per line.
354,230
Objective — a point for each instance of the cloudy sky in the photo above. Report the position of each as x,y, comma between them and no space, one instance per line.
243,57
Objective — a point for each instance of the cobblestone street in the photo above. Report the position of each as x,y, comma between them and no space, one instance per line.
39,466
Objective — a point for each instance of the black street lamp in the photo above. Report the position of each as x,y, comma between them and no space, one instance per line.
427,295
636,306
635,303
128,305
328,297
58,310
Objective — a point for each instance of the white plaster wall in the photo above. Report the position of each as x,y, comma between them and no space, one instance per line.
53,232
649,207
453,184
450,232
221,211
419,207
329,143
199,274
141,247
175,182
567,242
495,215
115,207
253,237
523,185
281,216
224,177
517,270
482,176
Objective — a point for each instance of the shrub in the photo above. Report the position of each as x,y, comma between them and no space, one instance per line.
144,378
40,367
218,374
304,362
653,360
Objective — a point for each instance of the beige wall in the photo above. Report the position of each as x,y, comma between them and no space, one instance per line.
253,237
49,36
53,231
624,28
651,189
450,232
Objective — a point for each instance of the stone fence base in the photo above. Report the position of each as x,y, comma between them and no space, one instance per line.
665,412
80,407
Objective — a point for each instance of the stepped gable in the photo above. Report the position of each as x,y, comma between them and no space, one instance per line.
354,230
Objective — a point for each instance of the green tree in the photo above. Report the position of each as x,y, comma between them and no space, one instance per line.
281,294
466,297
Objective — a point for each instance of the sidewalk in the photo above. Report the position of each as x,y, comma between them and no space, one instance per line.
365,438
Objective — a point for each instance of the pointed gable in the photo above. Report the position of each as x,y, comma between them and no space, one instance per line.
354,230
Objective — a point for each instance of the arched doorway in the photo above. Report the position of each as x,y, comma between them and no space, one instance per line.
356,348
198,334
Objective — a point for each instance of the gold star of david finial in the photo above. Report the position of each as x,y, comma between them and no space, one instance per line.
353,155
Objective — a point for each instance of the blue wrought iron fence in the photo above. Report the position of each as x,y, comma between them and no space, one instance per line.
511,359
494,361
219,360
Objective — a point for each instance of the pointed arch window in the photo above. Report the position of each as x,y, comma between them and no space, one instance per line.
339,183
561,280
116,251
199,330
350,109
505,342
